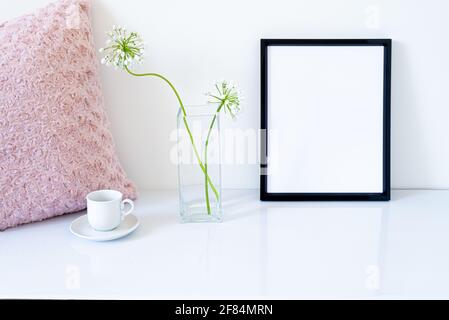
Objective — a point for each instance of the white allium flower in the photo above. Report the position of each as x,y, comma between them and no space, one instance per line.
228,95
123,48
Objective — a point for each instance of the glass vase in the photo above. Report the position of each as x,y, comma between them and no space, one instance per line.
199,164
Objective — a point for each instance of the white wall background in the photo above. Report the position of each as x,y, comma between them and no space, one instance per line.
197,41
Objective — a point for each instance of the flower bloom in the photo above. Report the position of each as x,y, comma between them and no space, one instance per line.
123,48
228,95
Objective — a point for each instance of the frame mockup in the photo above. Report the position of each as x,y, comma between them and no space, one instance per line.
325,120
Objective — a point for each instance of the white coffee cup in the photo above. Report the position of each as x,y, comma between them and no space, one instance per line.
106,209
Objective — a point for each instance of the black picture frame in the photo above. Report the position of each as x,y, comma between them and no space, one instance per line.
385,195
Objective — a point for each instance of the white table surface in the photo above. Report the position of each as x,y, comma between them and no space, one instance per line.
358,250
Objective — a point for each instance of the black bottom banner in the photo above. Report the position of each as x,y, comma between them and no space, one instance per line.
198,309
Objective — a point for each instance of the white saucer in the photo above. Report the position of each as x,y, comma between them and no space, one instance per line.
81,228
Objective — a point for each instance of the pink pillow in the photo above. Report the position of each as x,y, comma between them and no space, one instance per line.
55,143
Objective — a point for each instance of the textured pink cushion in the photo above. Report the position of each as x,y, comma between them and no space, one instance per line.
55,143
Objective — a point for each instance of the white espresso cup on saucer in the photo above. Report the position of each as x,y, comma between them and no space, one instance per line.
106,209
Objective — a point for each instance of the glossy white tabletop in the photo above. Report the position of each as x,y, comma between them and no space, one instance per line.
398,249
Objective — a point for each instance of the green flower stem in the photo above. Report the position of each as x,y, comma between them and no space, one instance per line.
205,155
203,168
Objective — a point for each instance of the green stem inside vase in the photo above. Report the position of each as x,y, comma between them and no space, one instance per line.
206,182
195,150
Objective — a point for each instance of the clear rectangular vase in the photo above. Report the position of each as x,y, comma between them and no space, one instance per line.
199,164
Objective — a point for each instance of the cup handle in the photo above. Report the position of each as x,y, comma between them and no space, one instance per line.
131,209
